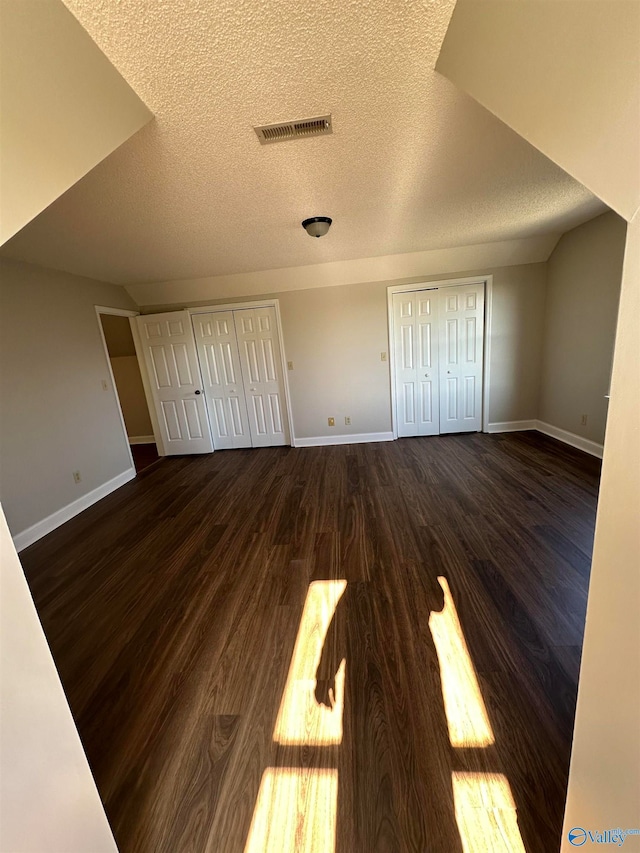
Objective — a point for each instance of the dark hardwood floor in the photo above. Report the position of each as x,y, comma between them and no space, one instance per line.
144,455
172,609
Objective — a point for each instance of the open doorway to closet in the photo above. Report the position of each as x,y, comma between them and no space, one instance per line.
120,349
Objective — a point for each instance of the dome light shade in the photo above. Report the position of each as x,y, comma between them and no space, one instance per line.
317,226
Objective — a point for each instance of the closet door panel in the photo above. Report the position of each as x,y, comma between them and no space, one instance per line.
461,329
415,363
171,363
260,359
215,335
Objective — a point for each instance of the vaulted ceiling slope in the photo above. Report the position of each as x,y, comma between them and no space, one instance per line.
528,62
413,164
81,106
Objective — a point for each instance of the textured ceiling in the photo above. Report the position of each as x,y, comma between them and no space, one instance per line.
413,164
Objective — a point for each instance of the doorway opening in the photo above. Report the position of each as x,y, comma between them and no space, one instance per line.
127,384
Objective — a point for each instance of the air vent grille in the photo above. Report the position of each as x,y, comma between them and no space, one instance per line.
316,126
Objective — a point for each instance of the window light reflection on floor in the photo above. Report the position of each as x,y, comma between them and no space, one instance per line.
296,807
300,718
486,813
295,811
465,709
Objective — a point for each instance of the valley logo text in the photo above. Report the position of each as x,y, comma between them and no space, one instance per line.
579,836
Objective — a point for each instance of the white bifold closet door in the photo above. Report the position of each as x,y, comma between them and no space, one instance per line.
172,366
222,376
460,357
416,379
243,383
438,357
261,364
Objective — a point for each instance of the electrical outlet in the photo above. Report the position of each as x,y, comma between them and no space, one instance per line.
76,477
383,356
105,385
583,420
289,365
331,421
347,421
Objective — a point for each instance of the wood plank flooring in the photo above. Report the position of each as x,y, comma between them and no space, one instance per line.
144,455
173,608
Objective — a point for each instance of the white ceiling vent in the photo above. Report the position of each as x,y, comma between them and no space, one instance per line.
316,126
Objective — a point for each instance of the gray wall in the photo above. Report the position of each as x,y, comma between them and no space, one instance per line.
55,417
516,342
334,336
65,107
550,359
583,291
605,758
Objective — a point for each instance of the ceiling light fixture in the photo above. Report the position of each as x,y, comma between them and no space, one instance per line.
317,226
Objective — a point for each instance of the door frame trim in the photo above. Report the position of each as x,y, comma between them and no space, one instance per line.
487,281
260,303
146,385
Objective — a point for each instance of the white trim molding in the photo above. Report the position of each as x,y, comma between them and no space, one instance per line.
354,438
146,386
116,312
234,306
142,439
486,355
511,426
41,528
591,447
577,441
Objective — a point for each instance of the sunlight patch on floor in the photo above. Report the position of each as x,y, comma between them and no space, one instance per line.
486,813
301,720
295,812
465,709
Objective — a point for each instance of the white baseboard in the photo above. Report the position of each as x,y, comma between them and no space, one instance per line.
571,438
512,426
354,438
142,439
41,528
